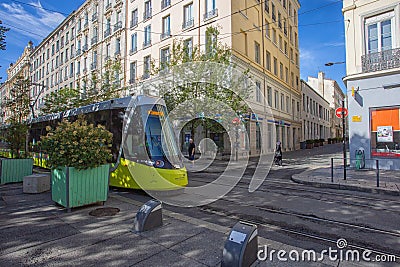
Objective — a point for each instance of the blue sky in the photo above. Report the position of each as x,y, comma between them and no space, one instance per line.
321,32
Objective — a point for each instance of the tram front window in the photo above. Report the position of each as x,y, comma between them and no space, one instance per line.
150,139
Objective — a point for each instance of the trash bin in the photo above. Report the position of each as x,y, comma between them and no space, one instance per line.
360,159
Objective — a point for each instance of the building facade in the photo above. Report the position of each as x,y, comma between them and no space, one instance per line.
262,35
315,114
372,80
263,38
331,92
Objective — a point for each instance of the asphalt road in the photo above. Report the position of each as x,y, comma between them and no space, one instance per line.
300,215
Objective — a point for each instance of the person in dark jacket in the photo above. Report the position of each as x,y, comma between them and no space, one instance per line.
278,154
191,150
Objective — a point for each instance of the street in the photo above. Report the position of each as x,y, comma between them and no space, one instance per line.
301,215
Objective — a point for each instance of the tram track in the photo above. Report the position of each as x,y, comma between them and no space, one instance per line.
314,236
349,199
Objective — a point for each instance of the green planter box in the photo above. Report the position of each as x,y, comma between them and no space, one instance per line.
74,188
14,170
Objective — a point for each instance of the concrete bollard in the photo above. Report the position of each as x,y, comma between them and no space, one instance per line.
241,247
148,217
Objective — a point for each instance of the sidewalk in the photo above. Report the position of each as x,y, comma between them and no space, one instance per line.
36,232
357,180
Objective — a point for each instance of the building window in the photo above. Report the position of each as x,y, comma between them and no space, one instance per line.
258,91
211,43
275,66
274,36
268,60
385,132
257,52
166,29
188,46
273,12
147,10
210,5
164,59
267,31
146,67
276,99
379,32
258,135
147,36
188,20
269,95
133,43
282,101
287,104
281,70
135,18
108,51
266,5
132,73
117,46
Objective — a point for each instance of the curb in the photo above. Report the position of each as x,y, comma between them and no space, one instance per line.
298,178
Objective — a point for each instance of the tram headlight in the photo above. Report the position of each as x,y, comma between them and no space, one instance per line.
149,162
177,166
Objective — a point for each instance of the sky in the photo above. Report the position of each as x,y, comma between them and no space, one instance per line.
321,32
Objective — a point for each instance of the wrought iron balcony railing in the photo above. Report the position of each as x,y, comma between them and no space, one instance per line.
94,40
384,60
117,26
165,3
210,14
94,17
165,34
147,14
188,24
107,33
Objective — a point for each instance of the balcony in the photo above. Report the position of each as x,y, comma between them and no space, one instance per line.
384,60
94,40
94,17
93,65
133,51
147,14
165,3
118,26
85,48
134,22
165,34
146,43
188,24
211,14
107,33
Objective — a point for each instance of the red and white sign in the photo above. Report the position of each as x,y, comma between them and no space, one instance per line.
235,120
339,112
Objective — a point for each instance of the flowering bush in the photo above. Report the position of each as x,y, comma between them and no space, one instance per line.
77,144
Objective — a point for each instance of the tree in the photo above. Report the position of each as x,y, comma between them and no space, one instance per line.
3,31
64,99
17,107
187,83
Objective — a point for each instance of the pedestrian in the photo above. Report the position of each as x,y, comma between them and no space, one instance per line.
191,150
278,154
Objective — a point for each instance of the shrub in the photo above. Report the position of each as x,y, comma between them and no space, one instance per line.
77,144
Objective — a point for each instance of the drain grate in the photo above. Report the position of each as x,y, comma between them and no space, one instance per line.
103,212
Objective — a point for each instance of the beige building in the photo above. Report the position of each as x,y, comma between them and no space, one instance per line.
315,114
331,92
16,70
263,36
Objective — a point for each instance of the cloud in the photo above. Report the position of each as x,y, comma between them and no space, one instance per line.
335,44
35,22
307,57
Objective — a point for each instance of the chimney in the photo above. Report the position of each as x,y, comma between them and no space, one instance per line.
321,83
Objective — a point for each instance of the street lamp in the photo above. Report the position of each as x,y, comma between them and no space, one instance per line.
334,63
343,125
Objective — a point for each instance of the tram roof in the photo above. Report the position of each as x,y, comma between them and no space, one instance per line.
105,105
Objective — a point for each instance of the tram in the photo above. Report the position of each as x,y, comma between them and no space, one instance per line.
145,153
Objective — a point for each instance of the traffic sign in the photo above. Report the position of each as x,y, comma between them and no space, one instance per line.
340,112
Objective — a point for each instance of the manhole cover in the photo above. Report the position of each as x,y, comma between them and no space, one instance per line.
101,212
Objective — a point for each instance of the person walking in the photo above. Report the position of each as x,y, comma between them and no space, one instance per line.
191,150
278,154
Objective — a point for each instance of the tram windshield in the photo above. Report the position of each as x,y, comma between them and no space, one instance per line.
150,138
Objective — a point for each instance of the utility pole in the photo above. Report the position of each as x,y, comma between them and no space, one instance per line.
344,140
